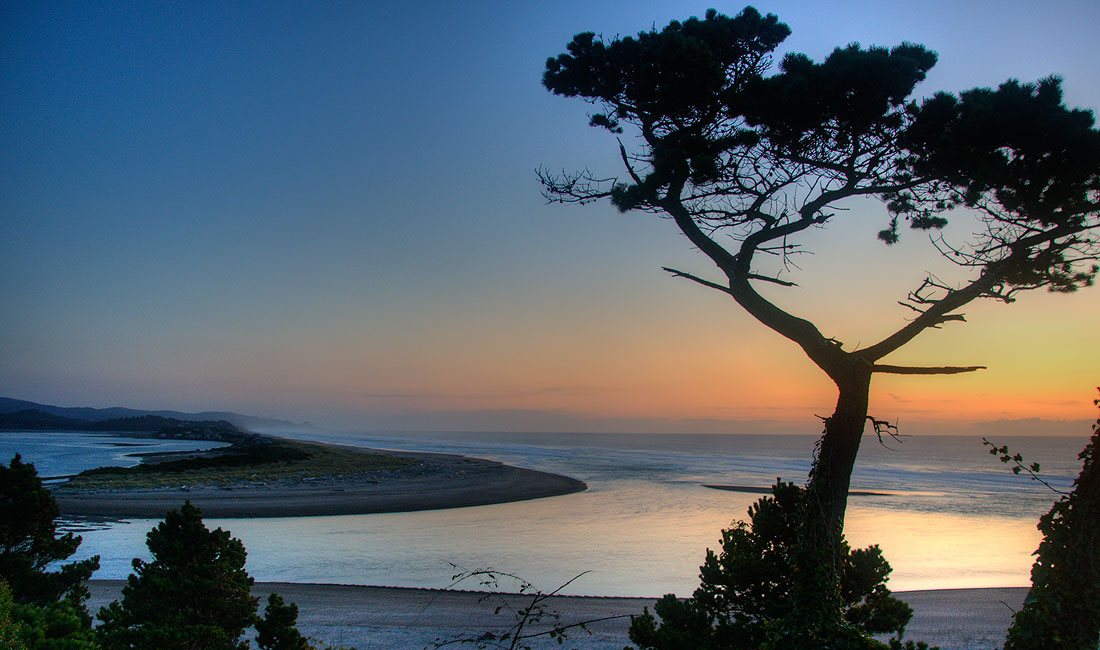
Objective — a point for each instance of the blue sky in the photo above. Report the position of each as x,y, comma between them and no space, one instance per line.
329,211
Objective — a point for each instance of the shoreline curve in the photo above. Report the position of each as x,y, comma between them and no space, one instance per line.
436,481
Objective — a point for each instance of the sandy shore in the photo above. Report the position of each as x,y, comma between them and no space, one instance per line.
435,481
381,618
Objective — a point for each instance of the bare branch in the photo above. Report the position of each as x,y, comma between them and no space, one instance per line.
695,278
924,370
626,163
882,426
952,317
765,278
580,187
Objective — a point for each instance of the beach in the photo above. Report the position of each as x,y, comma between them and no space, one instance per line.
434,481
384,618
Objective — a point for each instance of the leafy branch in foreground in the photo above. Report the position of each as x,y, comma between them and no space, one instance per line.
1017,462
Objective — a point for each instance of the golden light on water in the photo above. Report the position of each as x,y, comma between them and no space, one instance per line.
942,551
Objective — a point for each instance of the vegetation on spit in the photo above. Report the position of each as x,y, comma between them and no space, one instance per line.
240,464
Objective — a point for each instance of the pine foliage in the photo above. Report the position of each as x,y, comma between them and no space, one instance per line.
745,596
193,595
29,542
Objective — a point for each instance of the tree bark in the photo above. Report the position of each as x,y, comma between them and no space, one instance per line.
817,585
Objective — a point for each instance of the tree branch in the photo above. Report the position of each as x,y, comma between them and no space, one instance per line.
924,370
695,278
882,426
804,333
764,278
935,315
626,163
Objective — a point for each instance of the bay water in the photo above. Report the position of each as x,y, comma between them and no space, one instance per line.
952,516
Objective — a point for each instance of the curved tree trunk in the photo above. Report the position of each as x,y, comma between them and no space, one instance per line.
817,585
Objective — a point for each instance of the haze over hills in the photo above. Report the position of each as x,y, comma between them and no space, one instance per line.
24,414
53,416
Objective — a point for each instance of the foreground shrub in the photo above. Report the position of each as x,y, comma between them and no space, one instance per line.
194,595
1062,609
745,596
29,542
59,625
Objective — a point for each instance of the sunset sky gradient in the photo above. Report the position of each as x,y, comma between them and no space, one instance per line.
328,211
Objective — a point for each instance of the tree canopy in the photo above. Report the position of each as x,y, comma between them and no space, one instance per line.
724,148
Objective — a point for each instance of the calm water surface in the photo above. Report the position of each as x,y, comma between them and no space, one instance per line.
955,516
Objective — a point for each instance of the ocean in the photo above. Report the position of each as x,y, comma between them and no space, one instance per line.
954,516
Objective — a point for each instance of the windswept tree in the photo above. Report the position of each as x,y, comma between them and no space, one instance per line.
746,159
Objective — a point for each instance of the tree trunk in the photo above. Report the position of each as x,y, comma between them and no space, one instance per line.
817,583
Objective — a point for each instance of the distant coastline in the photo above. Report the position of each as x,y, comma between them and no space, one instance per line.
258,475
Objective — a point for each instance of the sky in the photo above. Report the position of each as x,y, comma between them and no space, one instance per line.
329,212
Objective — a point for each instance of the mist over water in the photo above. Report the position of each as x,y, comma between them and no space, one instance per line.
954,516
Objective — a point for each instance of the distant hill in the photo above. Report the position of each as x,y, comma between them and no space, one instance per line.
36,420
153,426
85,414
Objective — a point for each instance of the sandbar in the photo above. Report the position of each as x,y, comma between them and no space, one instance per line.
434,481
756,489
381,618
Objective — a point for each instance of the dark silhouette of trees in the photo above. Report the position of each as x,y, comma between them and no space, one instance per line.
745,161
745,589
29,542
39,608
1061,608
195,593
276,630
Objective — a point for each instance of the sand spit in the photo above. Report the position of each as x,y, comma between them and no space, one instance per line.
435,481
